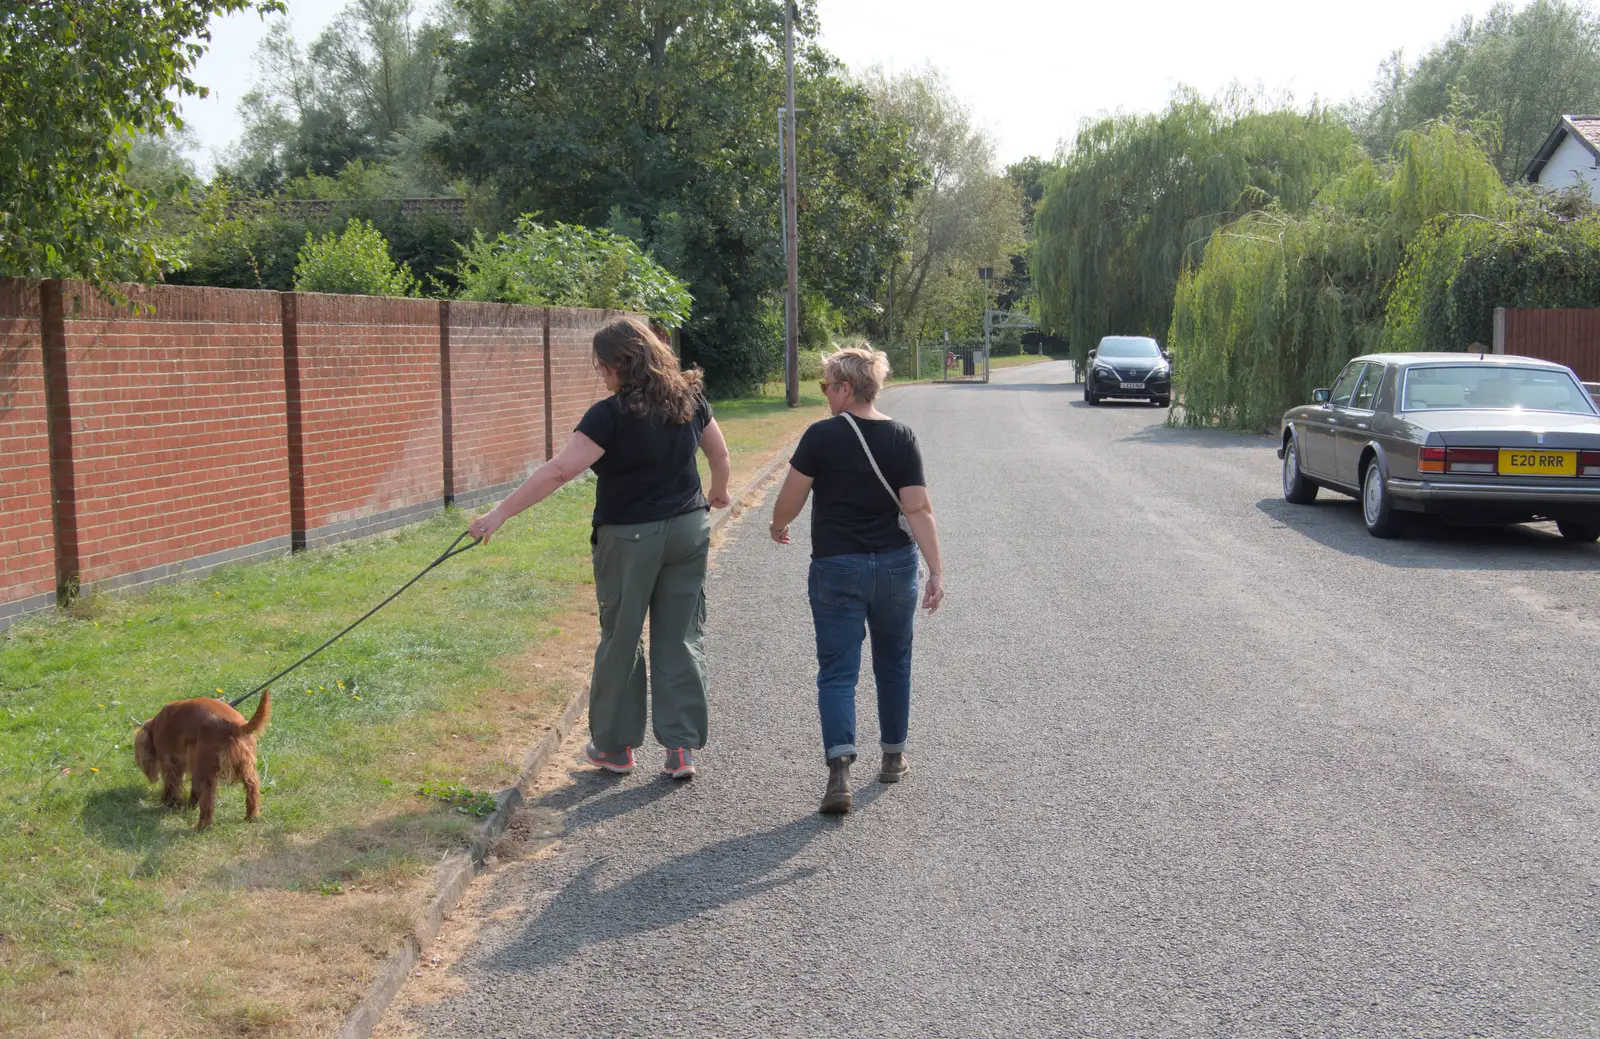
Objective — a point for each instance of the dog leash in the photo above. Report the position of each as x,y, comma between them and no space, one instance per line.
451,551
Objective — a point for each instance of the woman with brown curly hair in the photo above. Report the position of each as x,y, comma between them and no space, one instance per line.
650,540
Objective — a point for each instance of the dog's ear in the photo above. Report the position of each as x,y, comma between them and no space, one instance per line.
145,754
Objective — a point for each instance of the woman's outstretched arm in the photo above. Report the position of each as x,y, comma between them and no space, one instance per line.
579,454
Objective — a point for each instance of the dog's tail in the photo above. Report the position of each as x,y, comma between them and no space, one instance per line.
258,721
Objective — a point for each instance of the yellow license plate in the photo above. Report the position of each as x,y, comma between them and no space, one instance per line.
1523,462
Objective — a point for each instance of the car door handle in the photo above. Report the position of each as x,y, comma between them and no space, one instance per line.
1361,425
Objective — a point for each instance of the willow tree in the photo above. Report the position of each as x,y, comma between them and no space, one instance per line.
1278,302
1138,196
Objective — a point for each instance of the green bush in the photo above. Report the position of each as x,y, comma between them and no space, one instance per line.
810,365
1545,255
569,266
355,263
252,243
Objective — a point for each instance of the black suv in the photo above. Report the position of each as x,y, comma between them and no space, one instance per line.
1129,366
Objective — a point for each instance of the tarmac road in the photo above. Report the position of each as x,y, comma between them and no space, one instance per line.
1187,761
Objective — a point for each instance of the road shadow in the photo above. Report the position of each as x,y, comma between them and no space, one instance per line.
1334,521
595,797
1188,436
584,914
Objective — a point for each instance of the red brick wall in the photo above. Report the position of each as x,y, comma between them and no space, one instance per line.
573,380
366,441
179,448
494,435
27,542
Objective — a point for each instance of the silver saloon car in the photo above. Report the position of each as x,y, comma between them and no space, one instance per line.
1474,438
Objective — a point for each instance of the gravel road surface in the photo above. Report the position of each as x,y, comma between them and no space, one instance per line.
1187,761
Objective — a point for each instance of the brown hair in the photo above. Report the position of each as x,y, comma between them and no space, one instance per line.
651,383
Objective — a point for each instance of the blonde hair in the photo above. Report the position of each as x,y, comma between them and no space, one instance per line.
863,368
652,384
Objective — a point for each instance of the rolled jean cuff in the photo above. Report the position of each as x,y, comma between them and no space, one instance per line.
893,748
842,750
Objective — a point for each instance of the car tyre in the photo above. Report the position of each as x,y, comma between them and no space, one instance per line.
1580,531
1298,489
1162,402
1088,397
1383,520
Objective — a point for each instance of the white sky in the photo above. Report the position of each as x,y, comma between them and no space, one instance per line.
1030,70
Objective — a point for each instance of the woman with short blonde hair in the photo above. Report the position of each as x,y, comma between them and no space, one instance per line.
870,517
650,537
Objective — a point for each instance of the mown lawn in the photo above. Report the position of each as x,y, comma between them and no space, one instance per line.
118,918
89,862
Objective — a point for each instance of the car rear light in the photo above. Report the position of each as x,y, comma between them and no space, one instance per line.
1431,460
1589,463
1471,460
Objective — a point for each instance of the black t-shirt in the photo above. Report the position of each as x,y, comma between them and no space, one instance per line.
648,471
851,512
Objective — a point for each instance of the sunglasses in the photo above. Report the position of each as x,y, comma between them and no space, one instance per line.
826,385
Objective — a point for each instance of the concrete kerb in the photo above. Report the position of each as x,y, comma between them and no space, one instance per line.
459,867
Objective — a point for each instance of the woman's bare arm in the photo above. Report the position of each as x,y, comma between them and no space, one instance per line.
919,511
791,499
579,454
716,450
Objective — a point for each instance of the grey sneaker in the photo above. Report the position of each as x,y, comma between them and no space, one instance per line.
620,762
680,763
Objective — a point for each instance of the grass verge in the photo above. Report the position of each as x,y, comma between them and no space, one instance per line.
118,919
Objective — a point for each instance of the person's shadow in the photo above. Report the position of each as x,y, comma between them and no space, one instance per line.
719,874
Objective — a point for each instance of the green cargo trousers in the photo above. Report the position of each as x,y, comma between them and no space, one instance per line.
655,570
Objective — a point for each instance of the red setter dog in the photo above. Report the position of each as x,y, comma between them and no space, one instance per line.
211,743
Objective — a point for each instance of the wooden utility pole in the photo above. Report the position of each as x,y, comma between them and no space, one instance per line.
791,246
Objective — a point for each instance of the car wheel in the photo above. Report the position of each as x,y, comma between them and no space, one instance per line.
1579,530
1297,489
1377,508
1089,398
1163,402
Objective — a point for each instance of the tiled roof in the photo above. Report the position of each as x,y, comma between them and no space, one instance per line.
1588,126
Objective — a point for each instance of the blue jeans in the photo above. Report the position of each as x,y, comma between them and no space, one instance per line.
879,589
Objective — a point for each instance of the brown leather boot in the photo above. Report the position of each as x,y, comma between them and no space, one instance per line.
837,799
894,768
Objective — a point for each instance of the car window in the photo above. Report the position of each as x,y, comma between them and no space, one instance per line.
1128,346
1346,384
1494,387
1367,391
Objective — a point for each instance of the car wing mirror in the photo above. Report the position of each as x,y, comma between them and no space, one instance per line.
1322,396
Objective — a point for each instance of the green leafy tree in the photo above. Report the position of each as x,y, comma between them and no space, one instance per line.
1517,69
567,266
355,262
80,81
658,117
367,88
966,214
1138,196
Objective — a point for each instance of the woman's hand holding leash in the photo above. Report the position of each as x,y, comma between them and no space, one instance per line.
485,526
